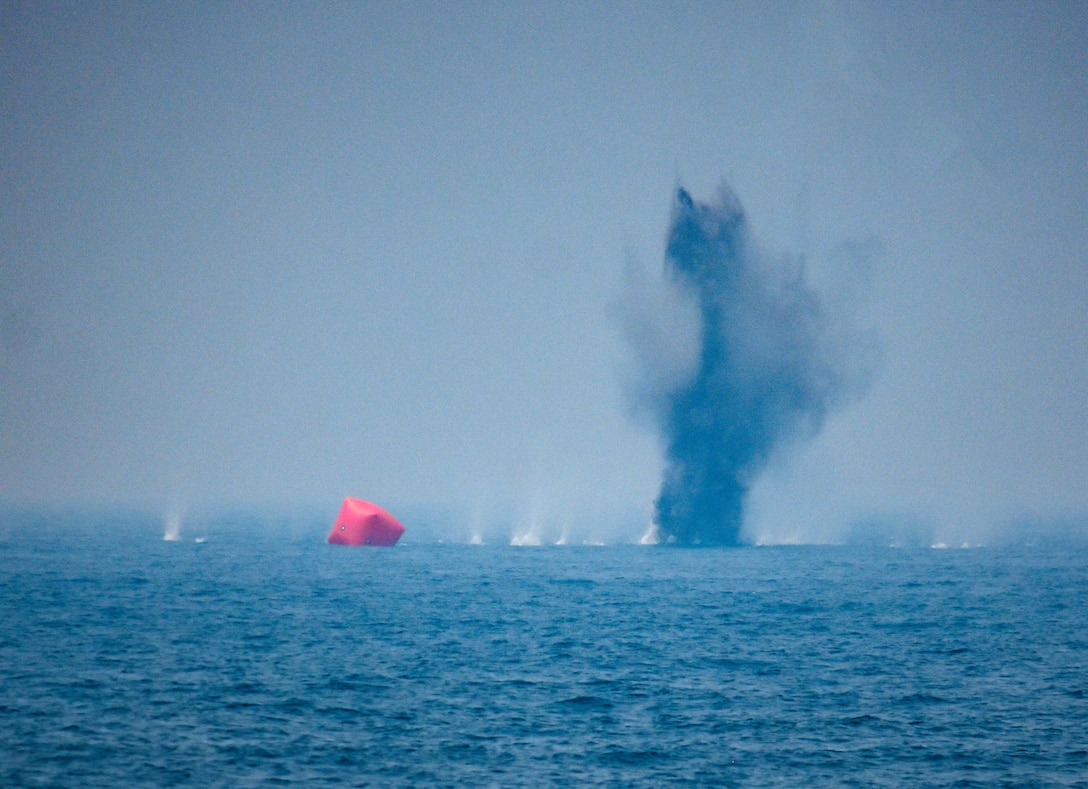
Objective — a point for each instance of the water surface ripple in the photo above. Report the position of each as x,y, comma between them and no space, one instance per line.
264,660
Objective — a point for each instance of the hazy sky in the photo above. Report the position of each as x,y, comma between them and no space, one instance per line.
277,253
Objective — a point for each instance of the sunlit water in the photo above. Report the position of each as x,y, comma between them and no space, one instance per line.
260,657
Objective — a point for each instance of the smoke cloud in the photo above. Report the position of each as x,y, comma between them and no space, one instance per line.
754,365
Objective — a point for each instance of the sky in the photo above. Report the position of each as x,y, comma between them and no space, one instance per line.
278,254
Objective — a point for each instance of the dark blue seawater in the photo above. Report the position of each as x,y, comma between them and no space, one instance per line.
264,657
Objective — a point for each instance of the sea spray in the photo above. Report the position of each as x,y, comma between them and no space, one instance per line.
754,365
171,526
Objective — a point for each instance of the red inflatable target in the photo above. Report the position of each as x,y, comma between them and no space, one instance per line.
363,523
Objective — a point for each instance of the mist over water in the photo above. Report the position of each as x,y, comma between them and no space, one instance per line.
752,365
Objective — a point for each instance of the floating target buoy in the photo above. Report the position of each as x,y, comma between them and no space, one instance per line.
363,523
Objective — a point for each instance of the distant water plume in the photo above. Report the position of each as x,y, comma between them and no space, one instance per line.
745,362
171,527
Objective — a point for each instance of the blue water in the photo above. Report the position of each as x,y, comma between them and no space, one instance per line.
264,657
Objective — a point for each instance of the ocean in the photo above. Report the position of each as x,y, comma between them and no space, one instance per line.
262,656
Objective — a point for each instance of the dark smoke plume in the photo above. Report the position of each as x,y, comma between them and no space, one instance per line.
762,371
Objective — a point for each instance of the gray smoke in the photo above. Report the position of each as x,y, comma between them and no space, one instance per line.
758,369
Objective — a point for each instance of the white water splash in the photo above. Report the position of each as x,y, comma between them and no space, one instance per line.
171,529
530,537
